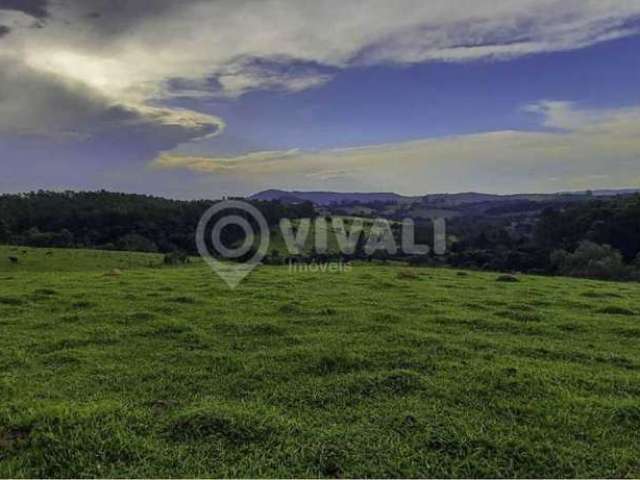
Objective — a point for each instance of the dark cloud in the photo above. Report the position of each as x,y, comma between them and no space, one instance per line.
35,8
34,103
4,30
116,17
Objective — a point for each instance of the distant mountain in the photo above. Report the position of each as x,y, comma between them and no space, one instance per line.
442,199
611,193
332,198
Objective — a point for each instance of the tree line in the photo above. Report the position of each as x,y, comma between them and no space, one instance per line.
597,239
114,221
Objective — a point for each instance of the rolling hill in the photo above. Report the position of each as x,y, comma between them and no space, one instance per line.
320,198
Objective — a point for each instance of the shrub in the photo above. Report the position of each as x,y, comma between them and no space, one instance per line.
5,231
134,242
591,260
274,259
176,258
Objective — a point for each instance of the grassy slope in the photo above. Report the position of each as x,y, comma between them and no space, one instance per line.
376,372
63,260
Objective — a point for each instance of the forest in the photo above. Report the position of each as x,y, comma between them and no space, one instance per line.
599,238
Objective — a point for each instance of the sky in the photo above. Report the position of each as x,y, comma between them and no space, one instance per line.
212,98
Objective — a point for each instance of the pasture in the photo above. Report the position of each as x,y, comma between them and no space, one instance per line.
379,371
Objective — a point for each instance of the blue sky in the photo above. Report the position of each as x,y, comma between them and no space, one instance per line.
232,97
389,104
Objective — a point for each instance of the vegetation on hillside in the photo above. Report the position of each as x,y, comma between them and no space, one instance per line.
511,236
584,232
113,221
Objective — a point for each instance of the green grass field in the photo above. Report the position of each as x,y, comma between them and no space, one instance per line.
381,371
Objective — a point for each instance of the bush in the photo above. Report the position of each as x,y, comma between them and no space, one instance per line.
5,232
591,260
274,259
134,242
176,258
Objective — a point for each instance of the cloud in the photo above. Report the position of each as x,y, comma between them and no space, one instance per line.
63,108
594,149
563,116
34,8
262,44
247,162
95,66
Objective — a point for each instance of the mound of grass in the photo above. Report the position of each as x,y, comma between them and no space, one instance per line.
331,364
290,309
141,316
520,315
62,260
12,301
408,275
238,425
616,310
45,292
507,279
170,328
69,440
596,294
183,299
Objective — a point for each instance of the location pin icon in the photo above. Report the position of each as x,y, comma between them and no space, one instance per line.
226,213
